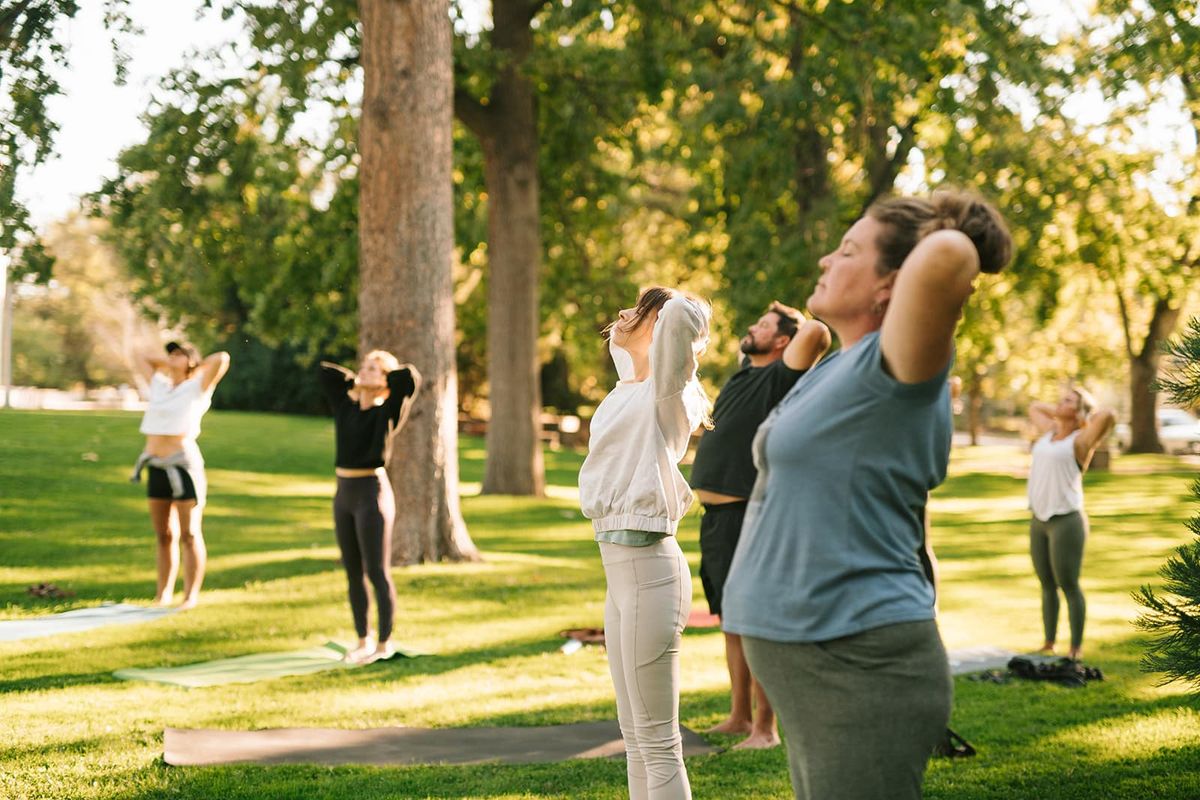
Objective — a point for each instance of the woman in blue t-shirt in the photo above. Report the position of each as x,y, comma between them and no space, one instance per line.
827,588
368,408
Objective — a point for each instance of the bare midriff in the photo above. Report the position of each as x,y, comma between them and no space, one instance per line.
353,472
162,445
716,498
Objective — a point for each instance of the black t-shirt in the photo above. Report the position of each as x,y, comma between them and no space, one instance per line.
362,434
723,462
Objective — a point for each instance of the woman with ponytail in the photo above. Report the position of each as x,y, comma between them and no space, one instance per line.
827,587
1070,433
631,488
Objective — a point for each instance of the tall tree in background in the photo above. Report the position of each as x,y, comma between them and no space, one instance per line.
507,129
406,239
1155,45
796,116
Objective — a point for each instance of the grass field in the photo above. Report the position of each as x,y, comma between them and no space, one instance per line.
68,729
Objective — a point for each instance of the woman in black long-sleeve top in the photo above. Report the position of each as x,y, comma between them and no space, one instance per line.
367,409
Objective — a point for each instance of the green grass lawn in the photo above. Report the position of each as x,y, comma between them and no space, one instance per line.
68,729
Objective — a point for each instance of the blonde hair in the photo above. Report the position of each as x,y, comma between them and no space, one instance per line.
387,362
1087,403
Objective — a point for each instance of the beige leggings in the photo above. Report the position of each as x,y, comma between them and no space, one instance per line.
648,602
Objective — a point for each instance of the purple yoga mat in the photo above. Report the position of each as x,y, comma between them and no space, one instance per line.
398,746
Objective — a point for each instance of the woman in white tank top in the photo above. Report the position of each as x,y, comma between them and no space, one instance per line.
1069,434
180,392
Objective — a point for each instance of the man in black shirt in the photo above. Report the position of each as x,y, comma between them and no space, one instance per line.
779,348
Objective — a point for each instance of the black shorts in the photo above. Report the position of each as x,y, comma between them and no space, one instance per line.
720,528
158,485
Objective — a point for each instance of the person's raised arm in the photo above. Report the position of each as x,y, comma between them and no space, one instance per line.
149,363
679,334
930,289
403,386
807,346
212,369
1042,416
1094,431
335,381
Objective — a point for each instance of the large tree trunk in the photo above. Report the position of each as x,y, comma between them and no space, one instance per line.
508,131
406,240
1143,371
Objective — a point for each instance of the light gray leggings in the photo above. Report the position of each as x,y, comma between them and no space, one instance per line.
647,605
1057,549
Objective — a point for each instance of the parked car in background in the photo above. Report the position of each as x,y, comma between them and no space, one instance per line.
1178,431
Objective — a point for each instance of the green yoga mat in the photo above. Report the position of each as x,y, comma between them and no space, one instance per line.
252,668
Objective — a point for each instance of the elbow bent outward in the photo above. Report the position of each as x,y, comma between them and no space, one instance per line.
809,343
213,369
926,303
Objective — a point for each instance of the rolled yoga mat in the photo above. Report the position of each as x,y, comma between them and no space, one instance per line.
251,668
398,746
81,619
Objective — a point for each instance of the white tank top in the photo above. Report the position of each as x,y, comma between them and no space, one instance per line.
1055,480
175,410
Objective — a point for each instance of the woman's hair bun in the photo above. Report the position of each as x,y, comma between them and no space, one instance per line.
979,220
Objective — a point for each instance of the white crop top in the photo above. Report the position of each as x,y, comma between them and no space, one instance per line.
175,410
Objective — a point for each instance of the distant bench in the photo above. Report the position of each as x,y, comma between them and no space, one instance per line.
558,431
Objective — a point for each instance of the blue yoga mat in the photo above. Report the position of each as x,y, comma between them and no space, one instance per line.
81,619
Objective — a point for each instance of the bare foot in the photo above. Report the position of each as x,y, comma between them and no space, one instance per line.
1046,649
163,601
189,603
1074,654
758,741
731,726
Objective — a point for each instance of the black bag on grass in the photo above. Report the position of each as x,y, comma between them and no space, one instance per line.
1064,671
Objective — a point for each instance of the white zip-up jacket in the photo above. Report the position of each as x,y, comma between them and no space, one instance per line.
630,479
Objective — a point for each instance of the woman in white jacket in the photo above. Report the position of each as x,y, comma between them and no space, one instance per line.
631,488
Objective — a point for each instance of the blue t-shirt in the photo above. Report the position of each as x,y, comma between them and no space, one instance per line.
830,546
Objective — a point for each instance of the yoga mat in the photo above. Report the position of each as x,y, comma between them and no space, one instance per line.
978,659
81,619
394,746
252,668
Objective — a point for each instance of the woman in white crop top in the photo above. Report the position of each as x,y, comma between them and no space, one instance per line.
631,489
180,391
1069,432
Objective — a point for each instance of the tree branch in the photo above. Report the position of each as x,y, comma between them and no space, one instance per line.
819,19
1124,309
535,6
1161,326
472,113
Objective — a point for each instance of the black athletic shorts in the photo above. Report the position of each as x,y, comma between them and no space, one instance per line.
720,528
158,485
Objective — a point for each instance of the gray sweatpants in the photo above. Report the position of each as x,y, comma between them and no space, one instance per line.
862,714
647,605
1056,547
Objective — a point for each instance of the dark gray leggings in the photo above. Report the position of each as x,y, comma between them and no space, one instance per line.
1057,549
363,513
861,714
